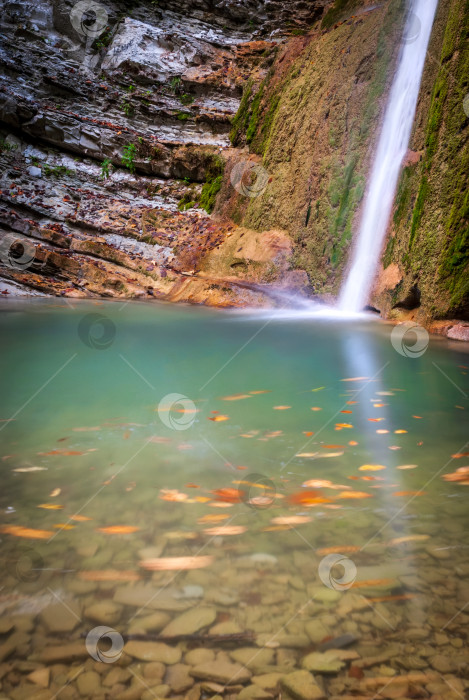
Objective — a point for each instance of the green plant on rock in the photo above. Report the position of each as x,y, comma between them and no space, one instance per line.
213,183
127,108
187,99
128,157
105,174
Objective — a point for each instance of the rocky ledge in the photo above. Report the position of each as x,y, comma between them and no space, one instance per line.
114,138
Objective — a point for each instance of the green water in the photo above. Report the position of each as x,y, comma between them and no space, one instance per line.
405,534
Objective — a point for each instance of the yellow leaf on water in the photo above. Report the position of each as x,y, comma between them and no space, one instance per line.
219,418
64,526
354,379
50,506
281,408
371,467
55,492
408,466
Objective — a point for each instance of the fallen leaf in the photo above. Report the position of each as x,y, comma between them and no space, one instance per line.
217,419
354,494
27,532
50,506
407,466
176,563
291,520
118,529
223,530
281,408
236,397
55,492
371,467
338,550
212,518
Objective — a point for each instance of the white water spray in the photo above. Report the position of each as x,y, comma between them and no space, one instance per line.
392,147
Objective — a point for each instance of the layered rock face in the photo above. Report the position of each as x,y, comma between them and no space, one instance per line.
110,116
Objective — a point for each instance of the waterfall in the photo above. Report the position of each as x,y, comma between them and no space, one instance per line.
392,147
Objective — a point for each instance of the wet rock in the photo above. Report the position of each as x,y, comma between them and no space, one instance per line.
63,652
178,678
331,661
302,686
89,684
228,627
459,332
316,631
254,692
106,612
268,681
144,596
40,677
61,617
154,670
116,675
222,672
196,657
149,623
153,651
34,171
191,621
253,658
443,664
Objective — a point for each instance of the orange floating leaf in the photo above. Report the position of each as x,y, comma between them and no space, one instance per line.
307,498
236,397
346,411
399,432
281,408
212,518
218,419
316,408
408,538
371,467
338,550
80,518
354,494
228,495
176,563
118,529
50,506
393,598
408,466
27,532
223,530
291,520
55,492
64,526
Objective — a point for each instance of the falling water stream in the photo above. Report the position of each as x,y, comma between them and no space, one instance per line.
391,150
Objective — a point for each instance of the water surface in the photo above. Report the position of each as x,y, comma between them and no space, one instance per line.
294,440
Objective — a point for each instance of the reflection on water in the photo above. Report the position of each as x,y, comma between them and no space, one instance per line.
239,499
